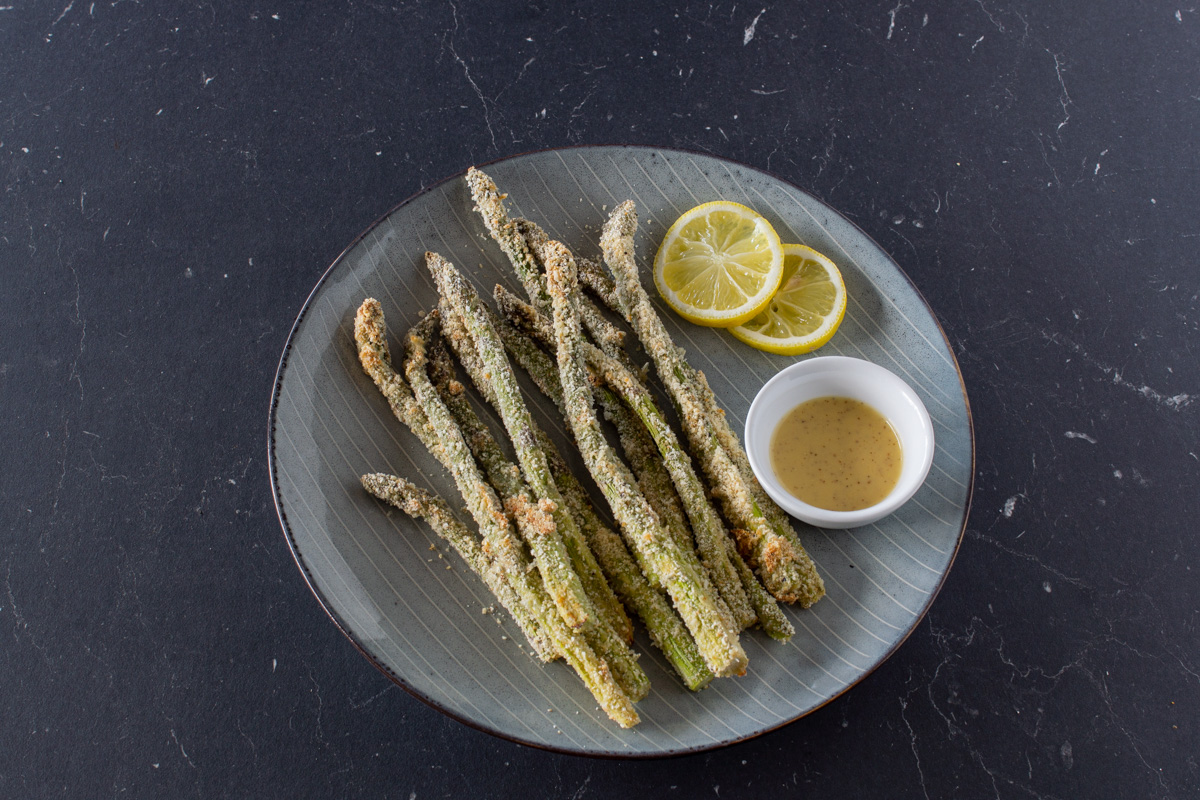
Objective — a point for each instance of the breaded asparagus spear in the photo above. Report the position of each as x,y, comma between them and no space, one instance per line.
594,671
370,333
607,336
540,367
666,629
506,478
714,633
418,503
770,616
499,542
785,568
643,457
591,274
603,287
511,405
653,477
655,482
538,521
709,531
640,450
775,515
490,204
371,336
548,549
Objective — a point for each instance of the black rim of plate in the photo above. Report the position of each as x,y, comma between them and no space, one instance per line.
399,681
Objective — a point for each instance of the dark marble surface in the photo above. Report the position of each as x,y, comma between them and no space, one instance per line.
177,176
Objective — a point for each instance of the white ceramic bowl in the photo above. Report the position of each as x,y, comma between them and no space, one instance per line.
841,377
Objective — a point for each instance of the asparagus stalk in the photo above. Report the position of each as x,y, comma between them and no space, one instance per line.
594,671
519,424
714,633
499,541
655,482
642,458
785,568
539,533
371,336
707,527
602,286
370,333
666,629
770,616
490,204
418,503
591,274
506,478
652,478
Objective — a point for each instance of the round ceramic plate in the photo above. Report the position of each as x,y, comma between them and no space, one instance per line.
415,610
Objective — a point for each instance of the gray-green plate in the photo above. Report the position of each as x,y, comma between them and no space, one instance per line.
416,611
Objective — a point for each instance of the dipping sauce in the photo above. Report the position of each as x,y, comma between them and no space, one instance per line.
836,453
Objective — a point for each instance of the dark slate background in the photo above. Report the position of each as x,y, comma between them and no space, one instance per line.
176,177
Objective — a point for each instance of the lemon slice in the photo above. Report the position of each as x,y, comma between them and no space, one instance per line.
719,264
805,312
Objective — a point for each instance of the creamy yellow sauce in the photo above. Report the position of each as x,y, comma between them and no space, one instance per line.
836,453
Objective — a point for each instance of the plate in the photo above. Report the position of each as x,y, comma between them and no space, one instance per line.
412,608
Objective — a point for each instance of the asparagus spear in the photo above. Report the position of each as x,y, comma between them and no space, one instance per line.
785,568
370,333
548,550
591,274
499,541
655,482
538,522
716,637
643,457
709,531
594,671
603,287
490,204
519,424
418,503
666,629
770,616
540,368
506,478
653,478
